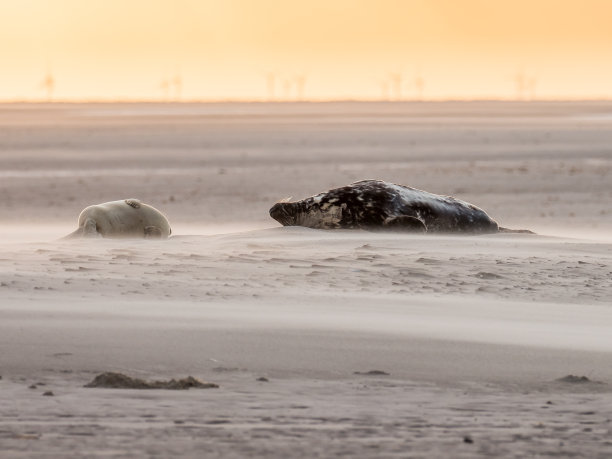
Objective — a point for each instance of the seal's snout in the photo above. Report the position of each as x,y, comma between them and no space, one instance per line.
281,212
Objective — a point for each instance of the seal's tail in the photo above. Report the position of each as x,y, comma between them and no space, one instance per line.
508,230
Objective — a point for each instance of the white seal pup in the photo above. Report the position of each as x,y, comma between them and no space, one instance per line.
374,204
128,218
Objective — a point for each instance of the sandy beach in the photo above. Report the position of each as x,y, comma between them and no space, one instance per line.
323,343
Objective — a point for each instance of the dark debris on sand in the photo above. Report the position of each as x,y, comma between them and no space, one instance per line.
372,373
572,379
112,380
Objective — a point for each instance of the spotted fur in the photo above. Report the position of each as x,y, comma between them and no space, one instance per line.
374,204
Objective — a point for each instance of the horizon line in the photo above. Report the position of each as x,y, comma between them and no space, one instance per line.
126,100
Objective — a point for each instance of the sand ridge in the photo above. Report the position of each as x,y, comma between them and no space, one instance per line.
298,260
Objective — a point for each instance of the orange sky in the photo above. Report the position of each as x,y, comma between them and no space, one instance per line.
106,49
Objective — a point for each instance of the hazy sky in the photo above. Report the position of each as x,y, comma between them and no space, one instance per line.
341,48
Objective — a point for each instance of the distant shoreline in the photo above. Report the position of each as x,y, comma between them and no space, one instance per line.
539,100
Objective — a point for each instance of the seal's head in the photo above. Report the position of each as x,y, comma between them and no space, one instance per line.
318,211
285,213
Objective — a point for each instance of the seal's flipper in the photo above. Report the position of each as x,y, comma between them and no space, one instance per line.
76,233
152,232
90,228
135,203
405,223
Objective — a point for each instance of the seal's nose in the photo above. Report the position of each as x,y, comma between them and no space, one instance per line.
280,213
276,211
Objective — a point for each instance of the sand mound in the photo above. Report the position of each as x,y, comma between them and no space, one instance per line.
121,381
573,379
372,373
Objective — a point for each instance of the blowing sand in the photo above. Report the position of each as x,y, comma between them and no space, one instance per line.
323,343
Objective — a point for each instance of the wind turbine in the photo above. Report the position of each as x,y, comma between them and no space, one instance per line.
165,88
177,83
419,84
525,86
48,84
520,80
396,84
531,85
286,88
271,85
384,89
300,82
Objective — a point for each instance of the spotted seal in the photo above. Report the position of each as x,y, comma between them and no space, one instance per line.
126,218
374,204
